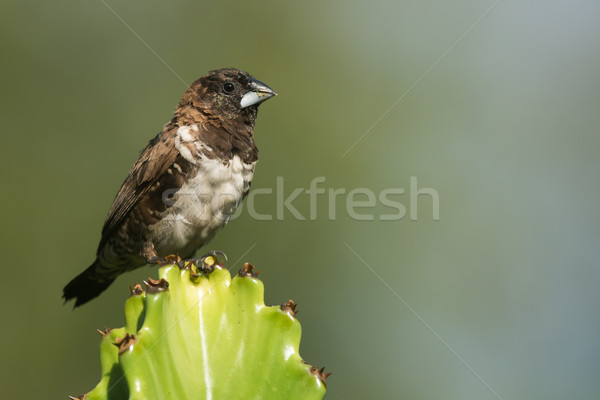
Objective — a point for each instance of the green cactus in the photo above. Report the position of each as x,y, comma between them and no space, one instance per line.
198,334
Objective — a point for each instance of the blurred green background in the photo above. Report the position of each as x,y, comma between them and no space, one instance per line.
497,299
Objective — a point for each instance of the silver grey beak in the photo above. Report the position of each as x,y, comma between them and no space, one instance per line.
258,93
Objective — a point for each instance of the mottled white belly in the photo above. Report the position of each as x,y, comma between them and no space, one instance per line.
202,206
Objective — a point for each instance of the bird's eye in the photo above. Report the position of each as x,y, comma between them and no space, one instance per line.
228,87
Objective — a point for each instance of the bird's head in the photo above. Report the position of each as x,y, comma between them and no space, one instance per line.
229,93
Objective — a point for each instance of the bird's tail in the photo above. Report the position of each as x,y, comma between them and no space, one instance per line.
88,285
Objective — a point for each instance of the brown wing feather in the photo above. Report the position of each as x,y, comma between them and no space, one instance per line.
155,159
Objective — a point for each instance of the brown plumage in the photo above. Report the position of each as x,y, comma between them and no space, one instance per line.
185,184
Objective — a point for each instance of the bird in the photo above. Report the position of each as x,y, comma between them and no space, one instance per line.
185,184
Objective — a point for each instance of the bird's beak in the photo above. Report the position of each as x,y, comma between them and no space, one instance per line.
258,93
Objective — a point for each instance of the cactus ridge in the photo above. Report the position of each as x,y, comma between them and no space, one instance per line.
196,333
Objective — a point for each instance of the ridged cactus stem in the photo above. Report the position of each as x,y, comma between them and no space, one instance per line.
196,333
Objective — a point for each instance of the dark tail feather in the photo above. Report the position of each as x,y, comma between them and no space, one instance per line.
87,285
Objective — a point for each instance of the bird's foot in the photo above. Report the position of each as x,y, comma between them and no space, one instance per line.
206,263
170,259
156,260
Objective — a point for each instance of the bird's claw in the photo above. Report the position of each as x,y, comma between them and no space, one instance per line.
207,262
156,260
170,259
211,258
204,264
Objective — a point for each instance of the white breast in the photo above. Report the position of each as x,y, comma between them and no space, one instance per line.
203,205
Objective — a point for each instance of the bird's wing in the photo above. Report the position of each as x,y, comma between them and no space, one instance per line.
155,159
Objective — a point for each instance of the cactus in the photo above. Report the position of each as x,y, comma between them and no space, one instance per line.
195,333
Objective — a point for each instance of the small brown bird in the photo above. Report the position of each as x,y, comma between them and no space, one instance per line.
186,183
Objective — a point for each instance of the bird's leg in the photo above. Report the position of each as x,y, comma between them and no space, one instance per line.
149,253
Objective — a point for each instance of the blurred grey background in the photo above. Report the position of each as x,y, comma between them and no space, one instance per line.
495,108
